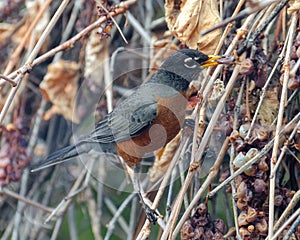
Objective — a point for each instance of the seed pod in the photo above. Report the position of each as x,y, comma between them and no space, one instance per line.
245,234
262,226
251,215
262,165
259,185
243,130
187,231
219,226
242,204
242,219
239,160
278,199
250,228
209,234
202,209
252,153
242,190
251,171
247,67
198,233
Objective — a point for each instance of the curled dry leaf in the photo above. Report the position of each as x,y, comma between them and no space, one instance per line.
96,51
269,108
5,30
186,19
294,6
60,87
33,7
162,159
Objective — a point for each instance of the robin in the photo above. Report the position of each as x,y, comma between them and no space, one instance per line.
148,119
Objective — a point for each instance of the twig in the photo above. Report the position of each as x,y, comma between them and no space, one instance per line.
284,149
287,211
211,176
95,220
139,28
289,233
117,213
25,200
262,26
71,221
114,21
11,81
248,11
144,233
279,121
196,162
67,31
57,228
286,223
132,220
116,216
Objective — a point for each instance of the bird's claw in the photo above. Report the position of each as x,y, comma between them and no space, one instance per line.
151,214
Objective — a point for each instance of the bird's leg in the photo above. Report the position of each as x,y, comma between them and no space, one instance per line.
150,213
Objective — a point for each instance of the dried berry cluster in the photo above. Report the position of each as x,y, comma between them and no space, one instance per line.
105,27
201,226
252,185
13,155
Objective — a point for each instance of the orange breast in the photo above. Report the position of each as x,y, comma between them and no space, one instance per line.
170,117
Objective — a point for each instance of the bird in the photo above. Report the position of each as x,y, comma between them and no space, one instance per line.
147,119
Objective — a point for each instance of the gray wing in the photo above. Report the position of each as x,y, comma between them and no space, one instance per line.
132,115
126,120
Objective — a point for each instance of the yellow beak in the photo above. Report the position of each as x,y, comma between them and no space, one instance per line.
211,61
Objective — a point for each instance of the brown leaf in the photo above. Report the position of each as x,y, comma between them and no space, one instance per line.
269,108
5,31
294,6
33,7
60,87
96,52
188,19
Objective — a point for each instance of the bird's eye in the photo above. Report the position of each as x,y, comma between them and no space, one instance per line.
190,63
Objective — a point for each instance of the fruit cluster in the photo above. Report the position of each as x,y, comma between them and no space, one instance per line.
13,154
201,226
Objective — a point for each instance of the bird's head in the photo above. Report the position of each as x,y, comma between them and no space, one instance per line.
184,65
189,59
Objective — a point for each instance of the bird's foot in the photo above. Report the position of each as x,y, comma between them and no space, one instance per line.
151,214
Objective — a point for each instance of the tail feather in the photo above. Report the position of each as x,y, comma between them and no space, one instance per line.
62,155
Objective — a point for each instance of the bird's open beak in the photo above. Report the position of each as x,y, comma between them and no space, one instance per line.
212,61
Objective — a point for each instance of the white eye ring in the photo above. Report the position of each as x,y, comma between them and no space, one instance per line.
188,61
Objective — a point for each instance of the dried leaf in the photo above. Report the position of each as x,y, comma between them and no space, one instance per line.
294,6
269,108
60,87
95,51
5,30
33,7
188,19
